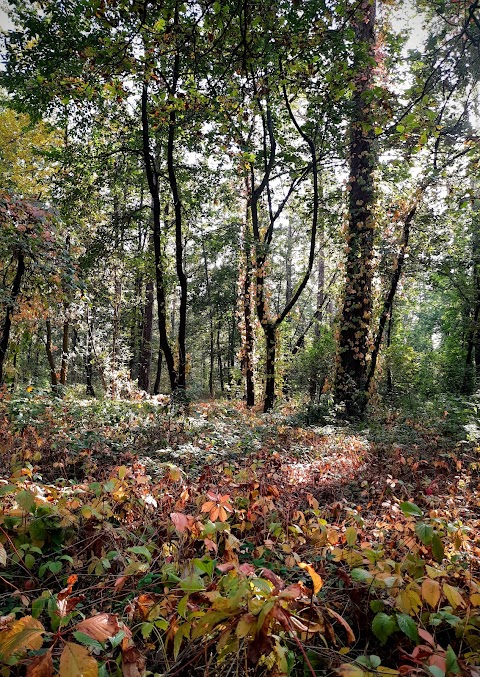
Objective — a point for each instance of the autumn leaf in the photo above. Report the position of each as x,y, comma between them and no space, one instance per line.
21,635
316,579
453,595
76,661
344,624
100,627
180,521
41,666
431,592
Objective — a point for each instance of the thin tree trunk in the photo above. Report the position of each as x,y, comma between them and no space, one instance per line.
351,376
288,264
179,263
388,303
158,377
220,364
146,346
270,330
152,178
50,357
65,348
314,385
210,317
389,343
7,323
248,346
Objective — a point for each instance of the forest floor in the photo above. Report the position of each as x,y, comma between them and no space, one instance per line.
223,541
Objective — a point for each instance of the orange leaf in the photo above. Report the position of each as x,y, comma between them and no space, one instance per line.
316,579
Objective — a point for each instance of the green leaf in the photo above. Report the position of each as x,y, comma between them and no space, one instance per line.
55,567
89,641
435,671
424,532
408,626
146,629
192,584
25,500
383,626
141,550
377,605
452,663
361,575
410,509
438,550
182,606
351,536
29,560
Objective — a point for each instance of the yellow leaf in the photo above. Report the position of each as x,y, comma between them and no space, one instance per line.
316,579
453,595
21,635
431,592
475,599
75,661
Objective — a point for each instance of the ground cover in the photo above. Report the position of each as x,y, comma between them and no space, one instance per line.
221,541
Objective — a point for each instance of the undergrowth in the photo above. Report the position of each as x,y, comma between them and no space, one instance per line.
136,540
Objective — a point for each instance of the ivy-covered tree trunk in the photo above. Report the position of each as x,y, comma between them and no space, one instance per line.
7,323
351,374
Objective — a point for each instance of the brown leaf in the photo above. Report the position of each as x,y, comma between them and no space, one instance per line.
133,663
273,578
100,627
343,622
41,666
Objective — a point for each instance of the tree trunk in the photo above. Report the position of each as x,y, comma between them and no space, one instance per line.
357,306
156,387
388,303
146,346
172,178
50,357
65,348
270,330
88,358
389,343
7,322
247,349
288,264
210,318
152,178
220,364
314,385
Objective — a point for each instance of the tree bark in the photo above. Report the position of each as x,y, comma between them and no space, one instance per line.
388,303
220,363
172,178
65,348
156,387
270,330
152,178
50,357
7,322
351,375
145,360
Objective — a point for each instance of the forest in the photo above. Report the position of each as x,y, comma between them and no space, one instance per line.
240,338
